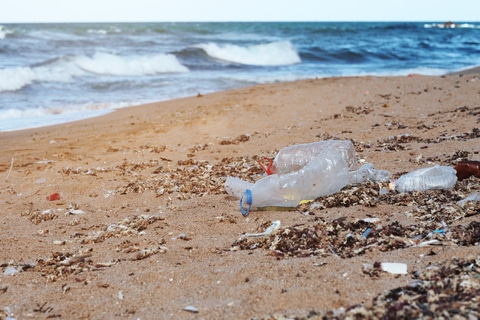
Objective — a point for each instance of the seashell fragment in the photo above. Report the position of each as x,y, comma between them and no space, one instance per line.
191,309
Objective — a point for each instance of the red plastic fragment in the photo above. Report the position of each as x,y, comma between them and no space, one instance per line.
54,197
270,169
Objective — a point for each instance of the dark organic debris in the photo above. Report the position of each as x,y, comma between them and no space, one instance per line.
349,239
447,291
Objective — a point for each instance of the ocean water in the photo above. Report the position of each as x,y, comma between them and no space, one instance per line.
55,73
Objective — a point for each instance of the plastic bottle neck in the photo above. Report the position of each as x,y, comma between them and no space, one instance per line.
248,201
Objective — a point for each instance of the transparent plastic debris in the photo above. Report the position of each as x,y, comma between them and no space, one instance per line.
431,178
272,228
394,267
473,197
367,172
293,158
10,271
324,174
236,186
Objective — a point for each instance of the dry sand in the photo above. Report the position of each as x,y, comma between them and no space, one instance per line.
143,228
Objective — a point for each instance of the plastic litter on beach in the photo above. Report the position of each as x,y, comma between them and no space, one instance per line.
466,169
473,197
303,173
10,271
275,226
431,178
54,197
191,309
394,267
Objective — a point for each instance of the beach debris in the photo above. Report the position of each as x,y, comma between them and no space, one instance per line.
366,233
371,220
344,239
302,173
473,197
39,216
467,168
430,296
10,271
54,197
394,267
7,313
108,193
131,226
46,161
40,180
191,309
10,170
274,227
431,178
73,209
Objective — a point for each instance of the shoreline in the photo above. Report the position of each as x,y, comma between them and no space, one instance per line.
468,71
143,226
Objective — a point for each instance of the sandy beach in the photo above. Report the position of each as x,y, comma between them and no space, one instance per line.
125,215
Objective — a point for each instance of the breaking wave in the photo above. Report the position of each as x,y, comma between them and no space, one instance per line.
270,54
110,64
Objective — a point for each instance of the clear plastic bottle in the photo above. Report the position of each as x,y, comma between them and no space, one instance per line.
321,172
295,157
367,172
236,186
431,178
323,175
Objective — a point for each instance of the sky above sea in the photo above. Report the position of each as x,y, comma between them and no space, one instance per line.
24,11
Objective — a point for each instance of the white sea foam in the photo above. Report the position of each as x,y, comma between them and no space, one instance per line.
16,119
12,79
66,69
110,64
4,32
270,54
451,25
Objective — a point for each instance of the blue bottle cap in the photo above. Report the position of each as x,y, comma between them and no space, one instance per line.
248,196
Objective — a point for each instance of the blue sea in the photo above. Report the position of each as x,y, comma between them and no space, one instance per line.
56,73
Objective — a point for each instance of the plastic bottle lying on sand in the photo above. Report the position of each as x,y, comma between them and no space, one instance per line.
295,157
236,187
432,178
324,175
321,176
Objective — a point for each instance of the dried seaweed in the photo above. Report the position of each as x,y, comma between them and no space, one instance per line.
349,239
446,291
134,225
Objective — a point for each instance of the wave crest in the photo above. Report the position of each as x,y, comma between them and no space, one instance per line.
110,64
270,54
12,79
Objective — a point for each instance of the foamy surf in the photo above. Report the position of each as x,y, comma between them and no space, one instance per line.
15,119
270,54
111,64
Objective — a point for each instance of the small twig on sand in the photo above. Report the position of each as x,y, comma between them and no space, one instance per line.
9,171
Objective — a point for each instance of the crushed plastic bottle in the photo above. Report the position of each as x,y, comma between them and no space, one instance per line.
473,197
324,174
431,178
236,186
367,172
293,158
